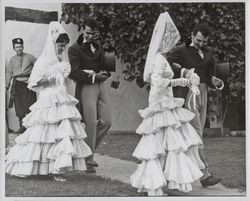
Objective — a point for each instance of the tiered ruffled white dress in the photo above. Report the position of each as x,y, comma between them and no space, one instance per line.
54,140
168,147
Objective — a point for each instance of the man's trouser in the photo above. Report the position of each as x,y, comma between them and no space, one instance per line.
23,99
96,113
198,122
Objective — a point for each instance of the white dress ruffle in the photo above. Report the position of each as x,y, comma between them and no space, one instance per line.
166,134
54,140
169,144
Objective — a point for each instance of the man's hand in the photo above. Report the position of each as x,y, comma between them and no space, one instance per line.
101,77
106,73
176,65
46,81
90,72
217,82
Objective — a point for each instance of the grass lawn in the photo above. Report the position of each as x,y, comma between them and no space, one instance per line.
77,185
225,155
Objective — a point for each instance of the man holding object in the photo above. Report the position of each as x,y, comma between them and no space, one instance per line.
194,59
87,69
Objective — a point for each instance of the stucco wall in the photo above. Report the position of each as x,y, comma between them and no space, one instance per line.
34,36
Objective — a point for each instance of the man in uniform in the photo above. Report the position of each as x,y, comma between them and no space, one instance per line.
18,70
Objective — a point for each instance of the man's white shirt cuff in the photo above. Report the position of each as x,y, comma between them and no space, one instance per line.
221,87
93,78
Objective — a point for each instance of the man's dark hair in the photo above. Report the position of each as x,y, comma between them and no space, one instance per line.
87,22
203,28
90,23
63,38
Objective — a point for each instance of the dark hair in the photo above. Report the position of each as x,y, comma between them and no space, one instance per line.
63,38
80,39
203,28
87,22
90,23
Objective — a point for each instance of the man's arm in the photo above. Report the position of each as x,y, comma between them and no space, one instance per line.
213,81
33,59
76,73
175,57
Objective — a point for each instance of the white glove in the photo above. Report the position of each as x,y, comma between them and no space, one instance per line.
166,73
179,82
193,77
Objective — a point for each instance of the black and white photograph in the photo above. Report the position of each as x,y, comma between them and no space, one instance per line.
124,100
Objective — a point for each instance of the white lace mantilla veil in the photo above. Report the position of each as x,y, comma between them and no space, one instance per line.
164,38
49,56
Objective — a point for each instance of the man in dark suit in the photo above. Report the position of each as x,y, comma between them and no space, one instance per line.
86,59
200,57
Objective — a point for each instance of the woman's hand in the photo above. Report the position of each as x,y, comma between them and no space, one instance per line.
46,81
193,77
166,73
101,77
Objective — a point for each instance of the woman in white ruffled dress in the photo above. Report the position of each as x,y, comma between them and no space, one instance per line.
54,140
169,144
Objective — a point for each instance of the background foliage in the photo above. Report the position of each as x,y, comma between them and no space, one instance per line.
126,30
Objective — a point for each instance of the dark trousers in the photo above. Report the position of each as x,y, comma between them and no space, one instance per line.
23,99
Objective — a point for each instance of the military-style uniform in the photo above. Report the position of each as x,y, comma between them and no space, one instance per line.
18,70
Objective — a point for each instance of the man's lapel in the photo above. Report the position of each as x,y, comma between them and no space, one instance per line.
85,47
194,53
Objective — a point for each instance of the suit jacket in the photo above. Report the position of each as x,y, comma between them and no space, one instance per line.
188,57
82,58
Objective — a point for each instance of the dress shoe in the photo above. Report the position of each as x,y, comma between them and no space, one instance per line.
10,130
21,130
59,178
90,169
93,163
210,181
174,192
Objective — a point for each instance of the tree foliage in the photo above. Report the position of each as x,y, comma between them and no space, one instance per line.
126,29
